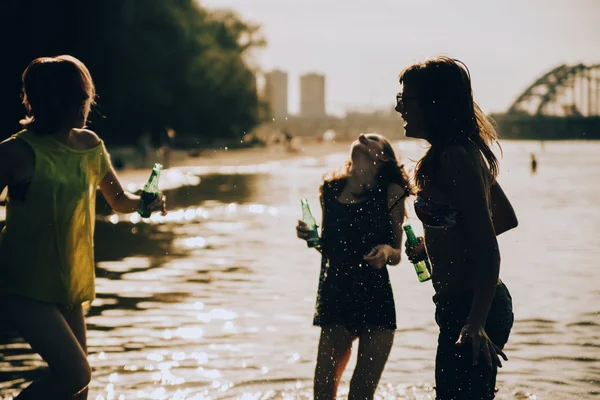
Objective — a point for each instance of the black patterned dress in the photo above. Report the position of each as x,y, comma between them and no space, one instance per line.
351,293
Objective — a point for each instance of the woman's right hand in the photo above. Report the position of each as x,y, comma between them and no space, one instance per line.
418,253
302,230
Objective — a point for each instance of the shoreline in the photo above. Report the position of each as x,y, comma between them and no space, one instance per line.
249,155
181,165
175,176
216,160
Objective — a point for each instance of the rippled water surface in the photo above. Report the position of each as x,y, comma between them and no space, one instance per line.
216,300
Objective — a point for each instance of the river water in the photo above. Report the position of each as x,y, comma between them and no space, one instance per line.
215,301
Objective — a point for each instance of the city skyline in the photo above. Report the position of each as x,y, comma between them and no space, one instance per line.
361,49
274,88
313,101
275,92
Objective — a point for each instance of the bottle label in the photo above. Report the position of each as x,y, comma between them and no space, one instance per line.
422,271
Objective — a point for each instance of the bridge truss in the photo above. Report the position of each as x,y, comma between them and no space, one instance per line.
565,91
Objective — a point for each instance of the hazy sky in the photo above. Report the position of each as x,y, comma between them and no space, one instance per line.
361,45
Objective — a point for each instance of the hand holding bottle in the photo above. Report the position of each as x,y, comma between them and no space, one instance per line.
302,230
306,234
421,261
159,204
310,229
417,253
151,198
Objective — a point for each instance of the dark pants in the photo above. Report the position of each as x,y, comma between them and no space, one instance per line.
456,378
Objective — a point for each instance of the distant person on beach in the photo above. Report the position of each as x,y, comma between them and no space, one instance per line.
463,209
166,147
289,141
534,163
363,212
145,148
52,169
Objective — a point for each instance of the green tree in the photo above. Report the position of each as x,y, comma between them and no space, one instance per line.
157,64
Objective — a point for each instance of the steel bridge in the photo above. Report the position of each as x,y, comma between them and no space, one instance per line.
564,103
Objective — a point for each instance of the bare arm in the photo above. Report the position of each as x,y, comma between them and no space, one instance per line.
118,198
462,172
504,217
396,192
386,254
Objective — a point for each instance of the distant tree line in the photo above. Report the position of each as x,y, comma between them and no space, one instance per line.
157,64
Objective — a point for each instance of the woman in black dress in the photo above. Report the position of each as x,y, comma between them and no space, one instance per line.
363,212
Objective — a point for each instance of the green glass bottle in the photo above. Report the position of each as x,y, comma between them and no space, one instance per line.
313,229
150,192
422,267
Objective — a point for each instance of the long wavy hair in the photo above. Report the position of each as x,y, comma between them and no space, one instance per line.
55,89
389,172
450,113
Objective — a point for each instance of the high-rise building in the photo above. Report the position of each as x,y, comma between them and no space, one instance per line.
276,93
312,95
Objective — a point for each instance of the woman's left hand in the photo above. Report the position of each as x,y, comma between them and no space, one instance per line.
481,343
159,204
378,257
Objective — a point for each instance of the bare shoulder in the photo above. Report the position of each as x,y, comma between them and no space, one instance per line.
325,186
455,154
86,138
395,192
462,173
458,160
396,198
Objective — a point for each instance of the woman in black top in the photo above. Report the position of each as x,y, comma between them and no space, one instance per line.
363,212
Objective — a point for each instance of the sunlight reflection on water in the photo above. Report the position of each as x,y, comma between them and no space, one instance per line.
215,300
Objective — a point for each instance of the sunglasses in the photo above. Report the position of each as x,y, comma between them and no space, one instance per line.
400,99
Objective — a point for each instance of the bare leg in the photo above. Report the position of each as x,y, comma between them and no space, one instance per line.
373,351
76,321
335,347
45,329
